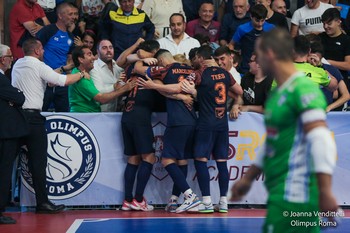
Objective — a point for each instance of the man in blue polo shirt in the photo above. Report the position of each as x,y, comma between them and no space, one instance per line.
58,43
247,33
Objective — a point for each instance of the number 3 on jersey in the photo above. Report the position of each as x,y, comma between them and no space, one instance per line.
221,89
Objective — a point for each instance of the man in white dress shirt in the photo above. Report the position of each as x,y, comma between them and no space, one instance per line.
106,73
178,42
30,75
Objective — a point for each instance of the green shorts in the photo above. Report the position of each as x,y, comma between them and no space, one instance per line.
287,217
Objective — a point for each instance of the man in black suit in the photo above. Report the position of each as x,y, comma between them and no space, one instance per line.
12,127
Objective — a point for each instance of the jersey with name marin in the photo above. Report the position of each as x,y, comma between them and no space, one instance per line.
212,85
178,113
139,102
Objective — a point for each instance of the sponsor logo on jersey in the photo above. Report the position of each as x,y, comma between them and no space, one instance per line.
158,171
73,158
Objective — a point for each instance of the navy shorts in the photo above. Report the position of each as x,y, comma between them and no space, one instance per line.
138,139
178,142
209,142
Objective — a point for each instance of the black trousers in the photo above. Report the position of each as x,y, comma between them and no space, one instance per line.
8,152
36,142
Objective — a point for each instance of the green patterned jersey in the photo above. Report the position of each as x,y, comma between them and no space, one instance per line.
287,163
316,74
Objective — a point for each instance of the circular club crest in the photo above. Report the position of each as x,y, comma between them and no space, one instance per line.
73,158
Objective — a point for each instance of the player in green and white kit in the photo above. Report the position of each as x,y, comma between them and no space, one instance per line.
299,155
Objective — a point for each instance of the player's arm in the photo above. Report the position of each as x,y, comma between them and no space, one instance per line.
323,153
236,107
108,97
189,87
123,59
236,90
342,65
333,83
344,96
242,187
159,86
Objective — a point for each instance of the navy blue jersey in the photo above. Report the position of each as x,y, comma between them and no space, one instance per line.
336,74
178,113
213,84
57,45
245,37
139,102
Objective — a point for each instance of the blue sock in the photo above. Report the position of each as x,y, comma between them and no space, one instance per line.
176,190
142,179
223,178
129,180
203,177
178,177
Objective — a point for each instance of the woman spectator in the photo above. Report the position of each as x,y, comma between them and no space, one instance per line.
87,39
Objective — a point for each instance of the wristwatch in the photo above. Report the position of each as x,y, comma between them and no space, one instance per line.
81,74
62,69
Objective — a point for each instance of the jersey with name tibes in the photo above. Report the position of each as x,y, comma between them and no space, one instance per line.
178,113
139,102
212,85
287,162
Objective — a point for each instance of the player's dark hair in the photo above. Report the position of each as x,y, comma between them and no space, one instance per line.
160,52
205,51
149,46
29,44
177,14
222,50
258,11
317,47
280,42
78,52
301,45
192,53
202,39
330,14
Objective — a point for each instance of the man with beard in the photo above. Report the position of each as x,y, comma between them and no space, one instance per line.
83,95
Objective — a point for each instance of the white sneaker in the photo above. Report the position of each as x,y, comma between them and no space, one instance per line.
222,207
135,205
191,202
171,206
203,208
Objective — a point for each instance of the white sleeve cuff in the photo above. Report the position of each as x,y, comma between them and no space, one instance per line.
323,149
313,115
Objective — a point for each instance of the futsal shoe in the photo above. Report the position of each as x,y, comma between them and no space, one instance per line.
6,220
222,207
171,206
203,208
135,205
191,202
126,205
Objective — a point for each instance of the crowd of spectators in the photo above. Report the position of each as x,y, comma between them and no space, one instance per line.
83,55
230,27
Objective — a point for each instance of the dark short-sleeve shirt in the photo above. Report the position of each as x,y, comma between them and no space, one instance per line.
255,93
